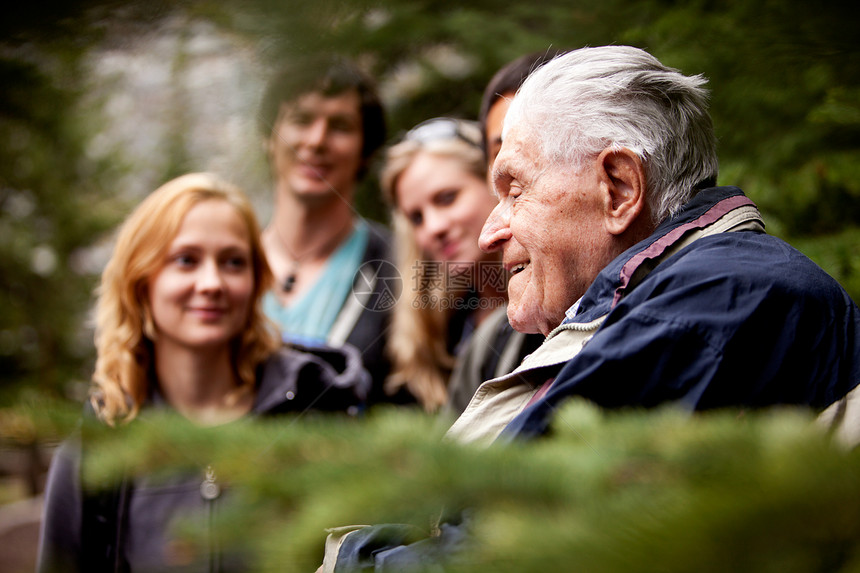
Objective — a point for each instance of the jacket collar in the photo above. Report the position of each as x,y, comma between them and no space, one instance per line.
280,377
339,369
707,208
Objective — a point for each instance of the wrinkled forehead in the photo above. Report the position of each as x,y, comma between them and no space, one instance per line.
514,114
518,128
519,157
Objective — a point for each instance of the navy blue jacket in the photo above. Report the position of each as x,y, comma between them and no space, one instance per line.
736,319
693,317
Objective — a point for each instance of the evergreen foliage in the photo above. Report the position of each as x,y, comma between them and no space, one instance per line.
606,492
54,201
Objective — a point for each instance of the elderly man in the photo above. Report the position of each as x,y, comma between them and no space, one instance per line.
651,284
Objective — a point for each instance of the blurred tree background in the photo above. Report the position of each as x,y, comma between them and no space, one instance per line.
104,100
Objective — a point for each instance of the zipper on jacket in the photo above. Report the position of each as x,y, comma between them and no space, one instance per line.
210,491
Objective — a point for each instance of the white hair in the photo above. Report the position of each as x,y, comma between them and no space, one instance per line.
584,101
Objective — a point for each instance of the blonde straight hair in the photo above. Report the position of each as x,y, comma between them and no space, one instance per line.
417,345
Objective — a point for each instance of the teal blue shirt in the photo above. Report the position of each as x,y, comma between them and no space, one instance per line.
309,319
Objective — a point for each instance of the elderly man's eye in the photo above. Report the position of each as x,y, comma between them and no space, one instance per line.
515,189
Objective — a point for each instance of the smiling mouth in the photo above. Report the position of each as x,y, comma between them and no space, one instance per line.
518,268
209,312
314,170
449,249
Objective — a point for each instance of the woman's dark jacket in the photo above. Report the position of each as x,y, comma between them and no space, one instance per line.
128,527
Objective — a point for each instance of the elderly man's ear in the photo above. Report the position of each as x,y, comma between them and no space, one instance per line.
622,183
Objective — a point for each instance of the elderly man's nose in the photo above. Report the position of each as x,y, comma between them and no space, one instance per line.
496,229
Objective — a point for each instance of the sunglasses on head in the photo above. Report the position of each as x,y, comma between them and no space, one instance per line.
441,128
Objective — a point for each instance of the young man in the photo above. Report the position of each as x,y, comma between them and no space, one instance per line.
322,121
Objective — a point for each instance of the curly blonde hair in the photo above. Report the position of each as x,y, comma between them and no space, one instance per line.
124,327
418,345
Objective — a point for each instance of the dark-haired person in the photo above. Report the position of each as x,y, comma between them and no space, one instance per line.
322,121
498,94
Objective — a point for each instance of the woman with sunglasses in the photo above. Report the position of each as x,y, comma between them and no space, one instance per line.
436,181
179,328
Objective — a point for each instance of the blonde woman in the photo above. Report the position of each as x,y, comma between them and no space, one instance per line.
436,181
179,327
